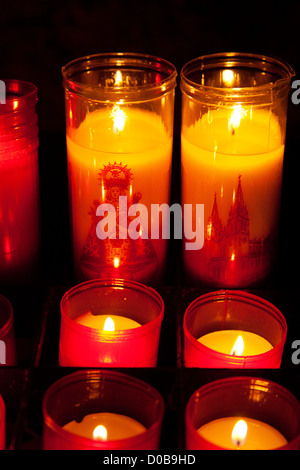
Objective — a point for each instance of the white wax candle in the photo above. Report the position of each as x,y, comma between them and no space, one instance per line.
143,146
224,340
117,426
98,321
260,435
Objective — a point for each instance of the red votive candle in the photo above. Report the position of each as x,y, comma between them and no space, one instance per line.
233,329
7,334
19,186
110,323
2,424
100,410
270,416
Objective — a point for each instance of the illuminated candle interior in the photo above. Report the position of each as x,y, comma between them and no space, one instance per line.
106,322
105,426
236,342
250,434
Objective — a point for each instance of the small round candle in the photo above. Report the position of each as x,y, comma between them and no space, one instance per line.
224,341
116,426
213,323
110,323
260,435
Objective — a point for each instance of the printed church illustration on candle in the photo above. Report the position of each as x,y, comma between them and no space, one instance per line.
231,255
126,258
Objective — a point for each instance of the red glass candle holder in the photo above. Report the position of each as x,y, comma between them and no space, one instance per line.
19,184
7,334
236,311
2,424
248,397
85,346
88,392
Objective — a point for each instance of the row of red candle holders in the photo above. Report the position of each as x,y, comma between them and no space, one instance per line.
85,343
84,393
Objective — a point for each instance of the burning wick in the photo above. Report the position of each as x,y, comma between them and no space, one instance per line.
239,433
100,433
238,347
109,325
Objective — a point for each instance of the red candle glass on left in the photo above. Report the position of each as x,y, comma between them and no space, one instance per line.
19,188
2,424
110,323
101,410
7,334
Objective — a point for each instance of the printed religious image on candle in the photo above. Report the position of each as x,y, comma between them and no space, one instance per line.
234,110
119,125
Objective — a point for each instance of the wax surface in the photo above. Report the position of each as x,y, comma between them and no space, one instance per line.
260,436
97,321
224,340
118,426
144,147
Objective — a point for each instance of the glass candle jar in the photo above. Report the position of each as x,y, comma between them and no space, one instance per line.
2,424
77,407
7,334
119,125
19,183
234,109
233,329
110,323
270,411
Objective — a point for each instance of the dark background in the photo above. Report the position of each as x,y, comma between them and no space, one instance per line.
36,40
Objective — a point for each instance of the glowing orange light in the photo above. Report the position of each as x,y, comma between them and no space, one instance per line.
116,262
239,433
100,433
232,256
119,117
109,324
209,228
238,347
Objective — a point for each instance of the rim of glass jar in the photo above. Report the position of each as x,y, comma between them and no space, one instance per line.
245,297
87,376
239,381
8,324
251,60
117,334
26,94
118,59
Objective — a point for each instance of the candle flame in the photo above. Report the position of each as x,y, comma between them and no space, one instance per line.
109,325
232,256
100,433
228,77
119,118
116,262
238,347
118,78
239,433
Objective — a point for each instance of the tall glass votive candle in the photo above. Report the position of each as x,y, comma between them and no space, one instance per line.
19,183
270,414
7,333
2,424
233,329
119,125
100,410
110,323
234,109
